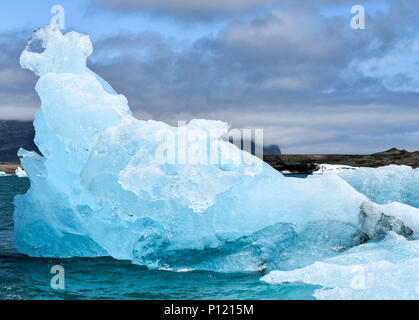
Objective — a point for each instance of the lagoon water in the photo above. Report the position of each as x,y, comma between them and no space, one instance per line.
22,277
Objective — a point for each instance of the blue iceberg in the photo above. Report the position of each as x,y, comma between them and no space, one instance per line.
386,184
387,269
108,184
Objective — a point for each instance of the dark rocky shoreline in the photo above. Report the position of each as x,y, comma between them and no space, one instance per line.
9,167
306,164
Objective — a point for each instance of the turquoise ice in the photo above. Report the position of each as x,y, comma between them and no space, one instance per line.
387,269
386,184
108,184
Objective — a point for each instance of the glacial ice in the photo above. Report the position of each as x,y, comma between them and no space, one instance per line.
332,168
170,197
386,269
382,185
386,184
20,173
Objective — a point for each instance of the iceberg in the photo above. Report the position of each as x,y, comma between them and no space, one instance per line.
20,173
3,174
387,184
387,269
108,184
392,183
332,168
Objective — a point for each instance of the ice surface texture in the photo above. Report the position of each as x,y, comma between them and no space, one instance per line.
20,173
387,269
332,168
386,184
110,184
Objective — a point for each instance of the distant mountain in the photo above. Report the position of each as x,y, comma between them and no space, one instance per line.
271,149
13,135
391,152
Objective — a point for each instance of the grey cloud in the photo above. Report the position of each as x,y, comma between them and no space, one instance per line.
18,99
276,57
218,5
186,10
194,11
281,67
349,129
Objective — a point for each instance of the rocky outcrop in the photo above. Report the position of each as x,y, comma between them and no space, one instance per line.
9,167
306,164
290,165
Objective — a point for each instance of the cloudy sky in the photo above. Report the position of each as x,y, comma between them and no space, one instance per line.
295,68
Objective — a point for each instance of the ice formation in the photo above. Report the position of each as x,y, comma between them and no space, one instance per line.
382,185
387,269
334,168
386,184
110,184
3,174
20,173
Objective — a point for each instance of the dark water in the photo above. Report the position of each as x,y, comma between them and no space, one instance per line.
22,277
297,175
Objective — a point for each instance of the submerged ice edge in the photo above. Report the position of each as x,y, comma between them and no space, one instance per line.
99,190
386,269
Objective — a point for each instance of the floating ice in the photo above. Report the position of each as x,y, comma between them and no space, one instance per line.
387,269
397,217
386,184
382,185
20,173
3,174
334,168
168,197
